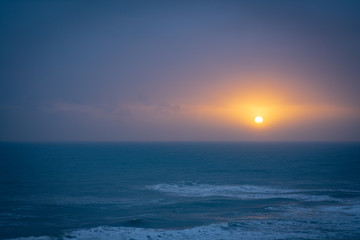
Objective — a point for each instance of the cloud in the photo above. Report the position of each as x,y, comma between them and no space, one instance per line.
96,111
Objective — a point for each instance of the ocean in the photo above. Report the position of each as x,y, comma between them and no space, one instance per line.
201,191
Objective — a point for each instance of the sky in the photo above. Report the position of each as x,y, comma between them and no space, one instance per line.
179,70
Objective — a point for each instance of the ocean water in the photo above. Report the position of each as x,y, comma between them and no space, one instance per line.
179,191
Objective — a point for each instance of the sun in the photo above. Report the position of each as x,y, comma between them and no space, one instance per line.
259,120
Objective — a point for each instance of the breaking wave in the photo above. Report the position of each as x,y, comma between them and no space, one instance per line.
244,192
249,230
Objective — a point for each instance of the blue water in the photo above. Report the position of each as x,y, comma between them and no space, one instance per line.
180,191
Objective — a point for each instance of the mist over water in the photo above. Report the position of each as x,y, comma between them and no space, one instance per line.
180,191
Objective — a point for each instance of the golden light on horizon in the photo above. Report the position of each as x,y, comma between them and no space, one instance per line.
258,119
272,103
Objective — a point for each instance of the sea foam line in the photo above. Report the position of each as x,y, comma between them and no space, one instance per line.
246,230
243,192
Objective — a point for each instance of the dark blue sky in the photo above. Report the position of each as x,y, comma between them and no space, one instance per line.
179,70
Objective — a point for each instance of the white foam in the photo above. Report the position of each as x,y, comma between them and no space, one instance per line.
210,232
293,222
245,230
235,191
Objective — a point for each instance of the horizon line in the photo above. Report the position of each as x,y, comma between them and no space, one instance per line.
180,141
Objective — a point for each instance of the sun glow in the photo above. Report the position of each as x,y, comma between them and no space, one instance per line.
259,120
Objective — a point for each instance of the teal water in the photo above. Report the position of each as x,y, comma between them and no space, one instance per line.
180,191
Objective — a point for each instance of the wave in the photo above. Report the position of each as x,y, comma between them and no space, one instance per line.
292,221
244,192
246,230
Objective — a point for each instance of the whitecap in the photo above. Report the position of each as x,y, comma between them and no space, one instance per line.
247,230
244,192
